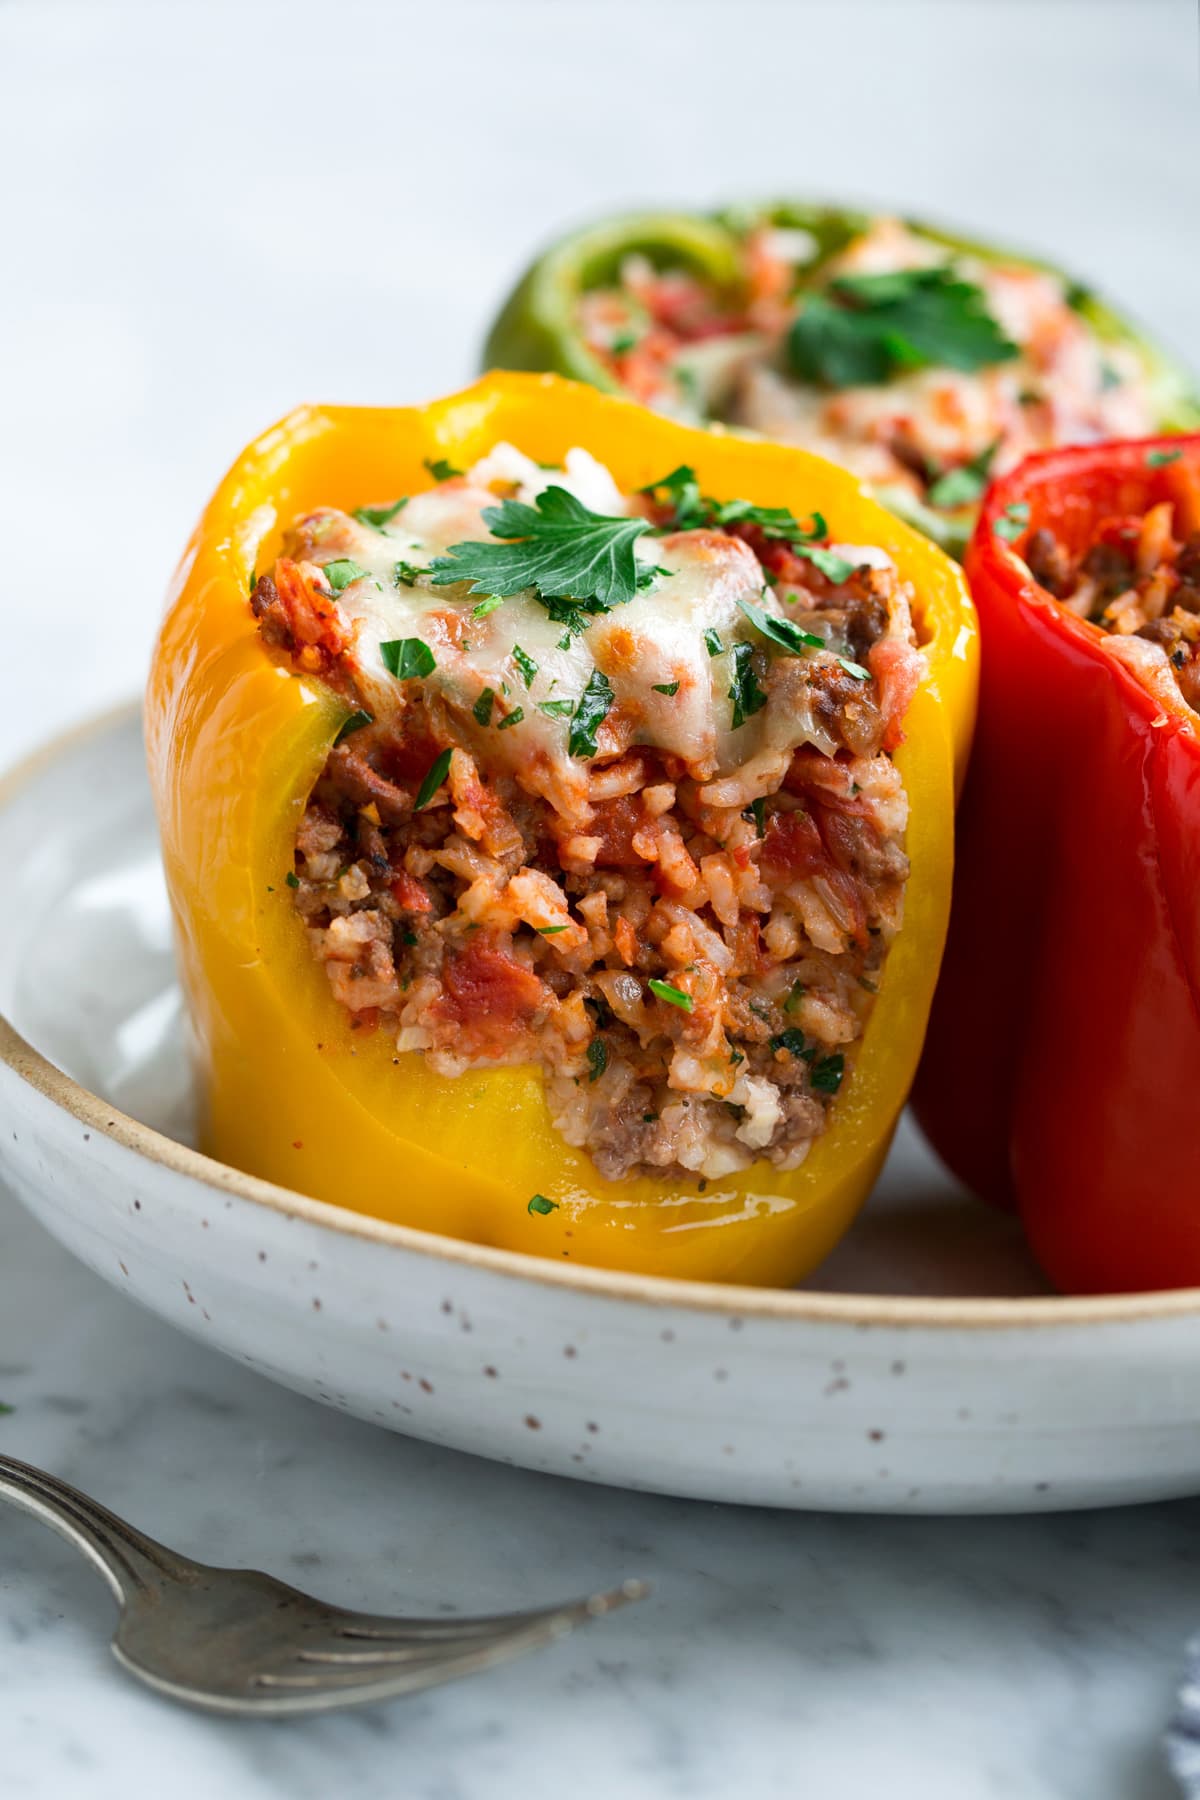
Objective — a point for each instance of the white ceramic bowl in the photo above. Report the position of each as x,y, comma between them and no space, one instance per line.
949,1381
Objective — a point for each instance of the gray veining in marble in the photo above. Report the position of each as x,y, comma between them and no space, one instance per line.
220,210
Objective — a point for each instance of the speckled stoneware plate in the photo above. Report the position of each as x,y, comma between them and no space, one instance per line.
926,1369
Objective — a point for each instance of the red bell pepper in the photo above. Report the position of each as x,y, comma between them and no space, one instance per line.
1062,1068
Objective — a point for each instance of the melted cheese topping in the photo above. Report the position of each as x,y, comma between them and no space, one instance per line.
655,641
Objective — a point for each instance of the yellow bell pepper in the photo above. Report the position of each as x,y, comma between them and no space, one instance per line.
235,744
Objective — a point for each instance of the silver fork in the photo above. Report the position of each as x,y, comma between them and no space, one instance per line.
238,1641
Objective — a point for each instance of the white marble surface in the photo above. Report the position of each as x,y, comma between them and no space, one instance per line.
213,213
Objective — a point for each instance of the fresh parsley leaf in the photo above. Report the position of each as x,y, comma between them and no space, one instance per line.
774,522
756,814
662,990
292,879
408,659
253,581
512,718
379,516
747,696
550,930
561,549
433,781
342,571
405,574
1158,459
355,722
597,1055
855,669
791,1040
564,642
440,469
540,1204
784,632
866,328
590,713
682,492
834,568
526,665
665,687
795,996
482,708
409,937
964,485
556,709
712,642
826,1076
483,607
623,342
1012,521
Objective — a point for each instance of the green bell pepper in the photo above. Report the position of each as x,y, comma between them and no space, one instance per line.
539,325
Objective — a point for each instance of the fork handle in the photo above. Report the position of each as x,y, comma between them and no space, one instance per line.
130,1562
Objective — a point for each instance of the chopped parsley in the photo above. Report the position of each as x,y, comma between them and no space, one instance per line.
483,607
355,722
540,1204
964,485
292,879
440,469
597,1055
433,781
591,710
1012,521
408,659
735,1057
784,632
556,709
342,571
558,547
253,581
409,937
623,342
1158,459
826,1074
792,1041
482,708
833,567
512,718
866,328
405,574
662,990
550,930
378,516
795,996
665,687
747,696
756,813
712,642
526,665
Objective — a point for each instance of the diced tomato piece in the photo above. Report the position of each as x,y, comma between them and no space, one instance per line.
488,995
410,894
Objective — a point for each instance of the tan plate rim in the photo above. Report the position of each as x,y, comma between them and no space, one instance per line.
865,1310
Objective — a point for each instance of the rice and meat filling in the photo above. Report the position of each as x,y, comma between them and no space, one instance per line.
1139,581
649,837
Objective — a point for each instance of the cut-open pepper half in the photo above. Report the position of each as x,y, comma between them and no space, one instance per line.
1064,1046
236,742
696,314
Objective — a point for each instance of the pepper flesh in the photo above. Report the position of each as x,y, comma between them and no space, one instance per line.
235,744
1063,1055
537,327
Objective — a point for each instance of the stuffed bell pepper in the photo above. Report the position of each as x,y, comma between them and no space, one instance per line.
556,805
924,363
1063,1057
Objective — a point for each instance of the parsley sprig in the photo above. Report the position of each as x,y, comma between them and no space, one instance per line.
866,328
558,547
690,510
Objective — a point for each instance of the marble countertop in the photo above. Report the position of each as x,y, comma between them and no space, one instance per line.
222,210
